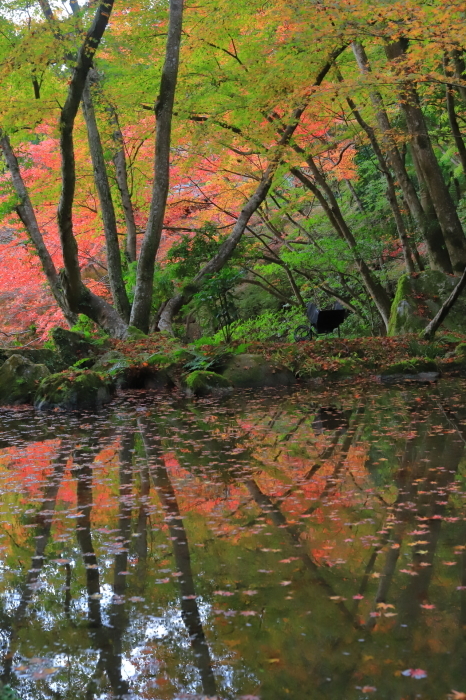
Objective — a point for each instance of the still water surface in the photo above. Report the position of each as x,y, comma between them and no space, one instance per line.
304,545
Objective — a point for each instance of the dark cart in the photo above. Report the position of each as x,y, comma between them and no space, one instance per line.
321,321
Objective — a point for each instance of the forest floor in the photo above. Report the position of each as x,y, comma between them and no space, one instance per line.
330,356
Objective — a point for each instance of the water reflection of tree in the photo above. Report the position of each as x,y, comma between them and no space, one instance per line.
107,639
416,473
172,517
43,521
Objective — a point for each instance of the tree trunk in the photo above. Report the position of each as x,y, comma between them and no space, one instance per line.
121,173
163,108
391,192
454,126
422,146
228,246
438,254
114,268
433,233
431,329
460,71
76,297
27,215
333,212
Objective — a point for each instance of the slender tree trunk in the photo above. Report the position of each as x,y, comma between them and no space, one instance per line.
432,327
391,192
460,72
27,215
227,248
433,235
121,173
79,299
115,272
438,254
163,109
422,145
119,159
454,126
333,212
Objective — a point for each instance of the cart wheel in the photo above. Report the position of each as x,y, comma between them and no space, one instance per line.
302,333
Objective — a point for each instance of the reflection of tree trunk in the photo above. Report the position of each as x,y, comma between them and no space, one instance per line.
83,473
174,521
141,543
429,507
107,640
345,448
274,513
44,525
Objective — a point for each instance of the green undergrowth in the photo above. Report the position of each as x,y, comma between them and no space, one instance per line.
332,357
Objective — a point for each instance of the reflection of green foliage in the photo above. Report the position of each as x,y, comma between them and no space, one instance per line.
8,693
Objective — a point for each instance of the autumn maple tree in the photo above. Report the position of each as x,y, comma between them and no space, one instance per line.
325,139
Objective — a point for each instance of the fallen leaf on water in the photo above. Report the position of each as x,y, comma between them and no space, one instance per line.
43,673
414,673
368,689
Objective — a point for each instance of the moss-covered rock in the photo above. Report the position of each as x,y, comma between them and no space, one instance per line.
71,346
201,383
19,379
40,356
74,391
111,361
133,333
255,371
419,297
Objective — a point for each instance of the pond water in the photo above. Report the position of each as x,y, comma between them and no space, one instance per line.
295,545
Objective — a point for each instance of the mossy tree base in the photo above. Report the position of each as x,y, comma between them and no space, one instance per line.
419,297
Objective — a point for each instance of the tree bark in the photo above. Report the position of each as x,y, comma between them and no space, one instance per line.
333,212
163,109
460,70
68,167
228,246
443,203
432,327
392,199
115,272
436,246
27,215
121,173
78,297
454,126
